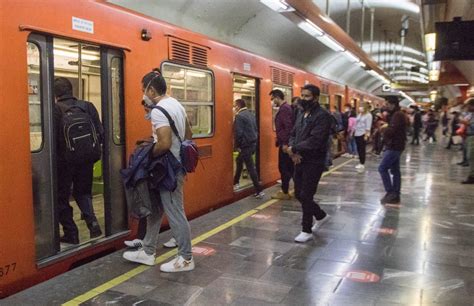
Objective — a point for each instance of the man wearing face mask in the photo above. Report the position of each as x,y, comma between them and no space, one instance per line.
307,148
283,126
394,138
154,90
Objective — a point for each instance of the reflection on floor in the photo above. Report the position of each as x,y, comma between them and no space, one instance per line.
84,236
418,252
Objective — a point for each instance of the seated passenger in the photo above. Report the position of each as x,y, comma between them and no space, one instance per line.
154,93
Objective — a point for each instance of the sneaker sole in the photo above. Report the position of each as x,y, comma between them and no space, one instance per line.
176,271
138,261
321,223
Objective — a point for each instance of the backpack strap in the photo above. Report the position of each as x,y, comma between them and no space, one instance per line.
172,124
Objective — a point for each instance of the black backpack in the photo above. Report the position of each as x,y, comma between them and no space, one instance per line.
80,137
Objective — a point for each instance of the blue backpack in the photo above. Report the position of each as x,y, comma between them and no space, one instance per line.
189,151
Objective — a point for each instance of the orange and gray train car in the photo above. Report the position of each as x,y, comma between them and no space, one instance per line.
104,51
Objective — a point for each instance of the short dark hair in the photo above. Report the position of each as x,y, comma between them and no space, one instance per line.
241,103
62,87
277,93
392,100
156,80
313,88
469,101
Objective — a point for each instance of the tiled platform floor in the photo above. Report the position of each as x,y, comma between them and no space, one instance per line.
420,252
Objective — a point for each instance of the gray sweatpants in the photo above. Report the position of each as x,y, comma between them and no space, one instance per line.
172,205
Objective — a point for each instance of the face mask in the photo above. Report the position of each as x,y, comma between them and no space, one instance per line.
148,102
306,103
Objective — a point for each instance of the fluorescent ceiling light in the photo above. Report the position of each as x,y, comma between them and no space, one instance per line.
434,75
330,43
310,28
351,57
461,84
276,5
430,42
362,64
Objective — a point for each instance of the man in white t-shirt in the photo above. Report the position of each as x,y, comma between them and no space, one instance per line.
154,93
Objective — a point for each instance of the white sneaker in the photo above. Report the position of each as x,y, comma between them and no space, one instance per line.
135,243
279,182
359,166
360,169
319,223
236,187
346,155
170,243
259,195
178,264
140,256
303,237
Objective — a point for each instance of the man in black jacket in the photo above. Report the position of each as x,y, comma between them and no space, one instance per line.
79,174
307,148
394,136
245,139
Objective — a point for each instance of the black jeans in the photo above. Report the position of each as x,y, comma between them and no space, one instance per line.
80,178
360,141
306,180
245,156
416,136
286,168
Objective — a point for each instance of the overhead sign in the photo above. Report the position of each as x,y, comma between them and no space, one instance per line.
247,67
82,25
386,87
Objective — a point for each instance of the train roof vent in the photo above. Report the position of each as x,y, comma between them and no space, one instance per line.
189,53
180,51
199,56
282,77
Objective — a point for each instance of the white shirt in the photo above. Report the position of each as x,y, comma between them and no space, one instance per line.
363,124
178,114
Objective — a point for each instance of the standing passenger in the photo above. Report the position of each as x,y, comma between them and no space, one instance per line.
362,133
75,173
154,92
245,138
468,120
394,137
283,124
308,145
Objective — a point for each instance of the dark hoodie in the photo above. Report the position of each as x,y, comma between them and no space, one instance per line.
394,136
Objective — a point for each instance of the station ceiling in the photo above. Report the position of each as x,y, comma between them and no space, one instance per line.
251,25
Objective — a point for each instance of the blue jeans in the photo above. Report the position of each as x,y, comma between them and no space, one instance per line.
351,146
391,161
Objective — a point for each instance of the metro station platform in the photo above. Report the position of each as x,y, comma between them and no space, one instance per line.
420,252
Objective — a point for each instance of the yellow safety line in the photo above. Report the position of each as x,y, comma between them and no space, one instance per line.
128,275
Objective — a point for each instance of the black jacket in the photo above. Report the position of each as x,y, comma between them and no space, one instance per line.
310,135
245,129
395,134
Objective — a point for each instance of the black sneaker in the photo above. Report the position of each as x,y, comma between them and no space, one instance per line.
469,180
94,230
393,198
70,239
384,199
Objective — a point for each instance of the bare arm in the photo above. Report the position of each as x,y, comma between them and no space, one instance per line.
188,134
164,140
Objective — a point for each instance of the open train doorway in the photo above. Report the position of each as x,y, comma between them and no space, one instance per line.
96,76
246,88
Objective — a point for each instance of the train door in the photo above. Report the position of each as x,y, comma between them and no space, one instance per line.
246,88
96,76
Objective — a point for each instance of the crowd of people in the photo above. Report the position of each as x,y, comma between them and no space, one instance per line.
304,136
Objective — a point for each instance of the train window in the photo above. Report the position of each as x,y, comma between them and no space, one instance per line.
117,120
193,88
324,101
288,92
34,96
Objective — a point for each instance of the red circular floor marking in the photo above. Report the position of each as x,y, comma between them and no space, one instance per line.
384,231
203,251
362,276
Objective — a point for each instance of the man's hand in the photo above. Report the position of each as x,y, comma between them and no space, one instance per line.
296,158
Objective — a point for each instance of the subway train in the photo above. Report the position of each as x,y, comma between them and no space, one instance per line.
104,50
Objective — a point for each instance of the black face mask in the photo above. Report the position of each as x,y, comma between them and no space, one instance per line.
306,104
